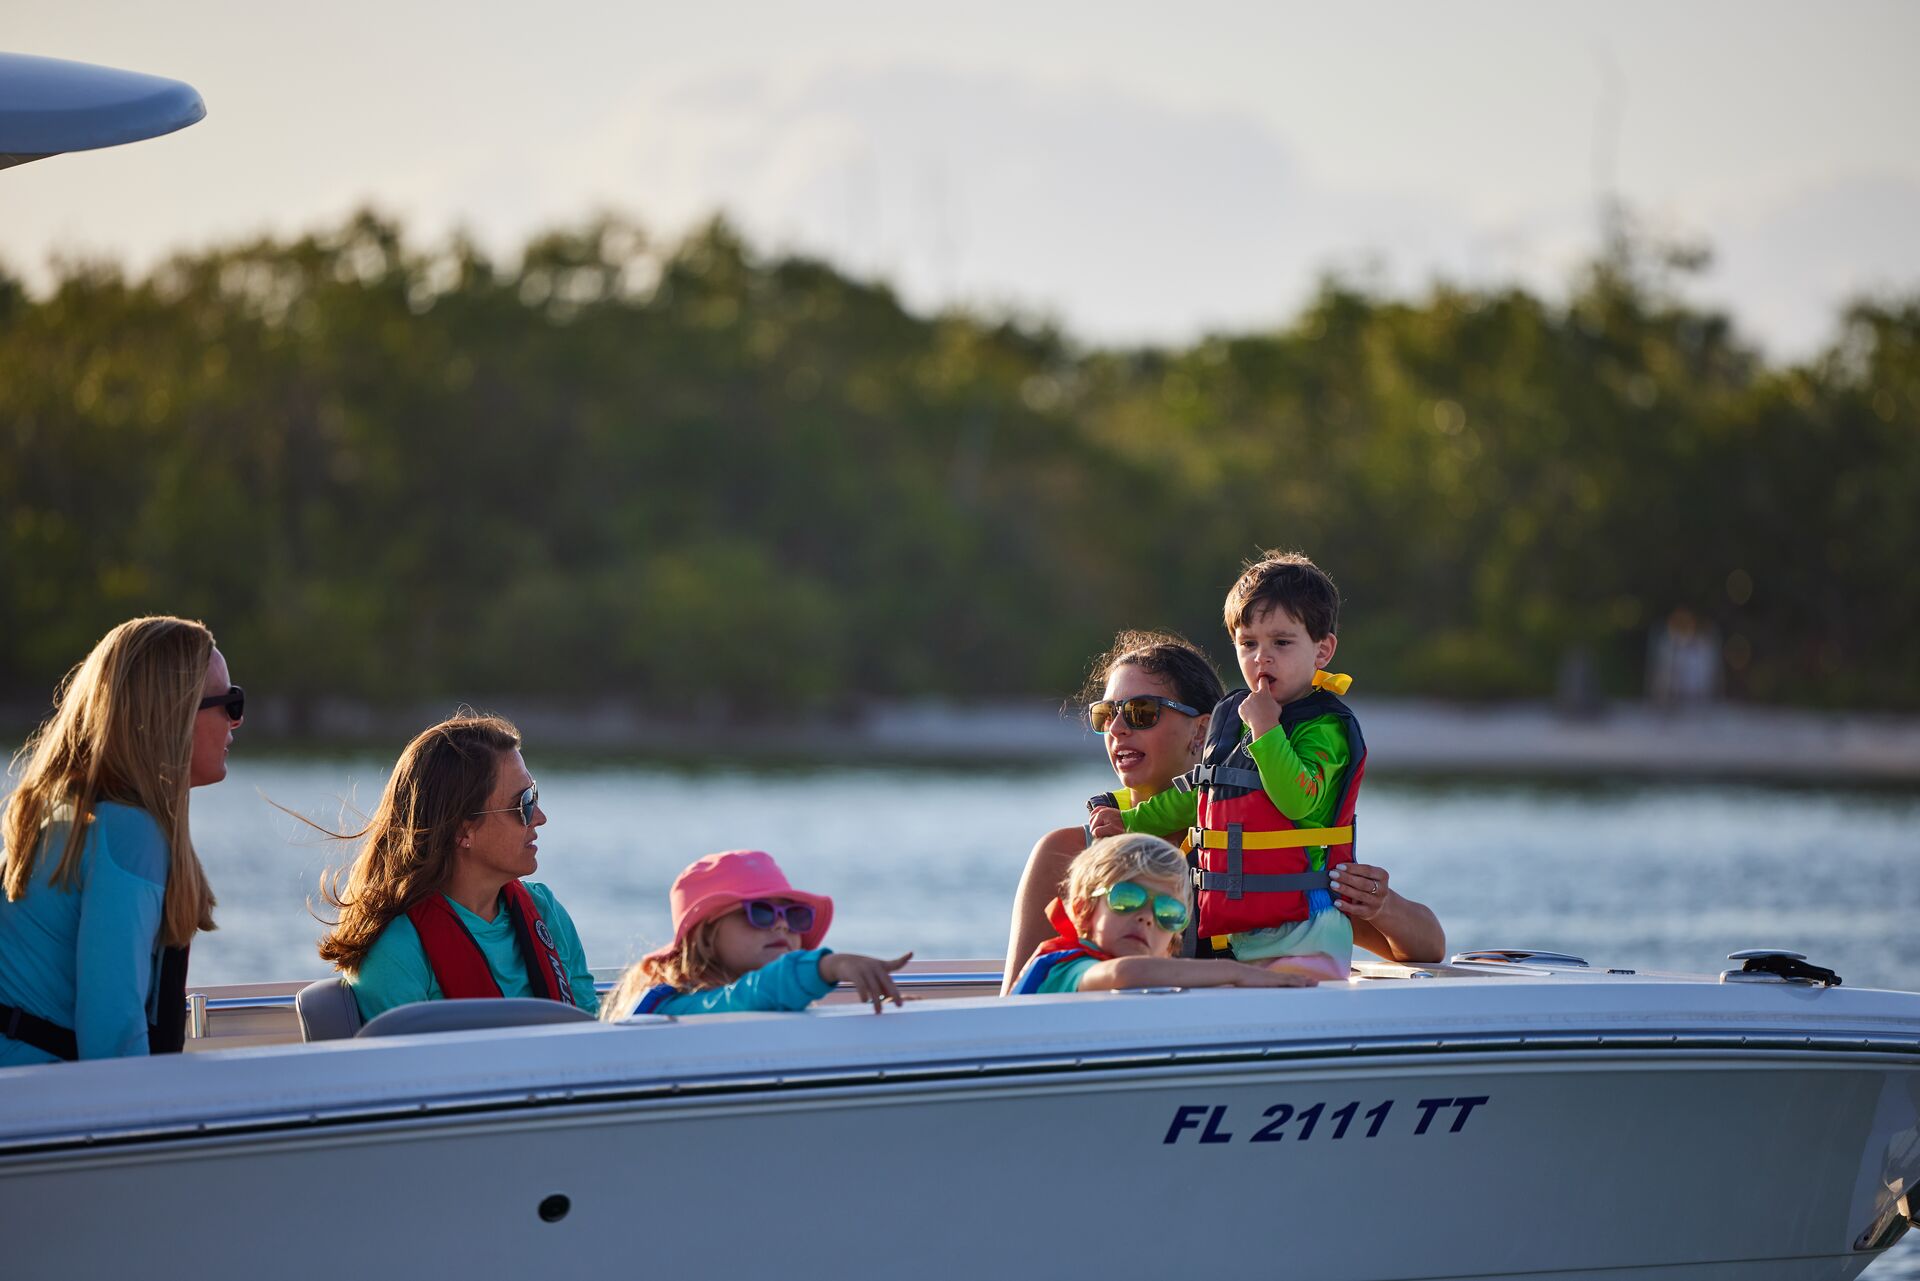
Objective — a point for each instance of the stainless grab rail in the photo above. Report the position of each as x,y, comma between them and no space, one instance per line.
923,978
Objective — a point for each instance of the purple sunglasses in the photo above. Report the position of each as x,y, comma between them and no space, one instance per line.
761,914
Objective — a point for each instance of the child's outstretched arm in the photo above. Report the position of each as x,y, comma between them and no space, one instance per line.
870,977
792,982
1174,971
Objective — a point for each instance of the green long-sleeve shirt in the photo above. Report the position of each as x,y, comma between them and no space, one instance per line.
1300,772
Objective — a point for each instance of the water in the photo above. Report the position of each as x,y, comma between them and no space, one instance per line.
1632,875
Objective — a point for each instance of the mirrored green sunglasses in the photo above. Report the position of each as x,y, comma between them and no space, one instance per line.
1127,897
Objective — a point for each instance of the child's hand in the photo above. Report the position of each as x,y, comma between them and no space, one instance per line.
870,977
1259,709
1106,822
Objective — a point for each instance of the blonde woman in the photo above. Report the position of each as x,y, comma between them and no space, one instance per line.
103,889
435,906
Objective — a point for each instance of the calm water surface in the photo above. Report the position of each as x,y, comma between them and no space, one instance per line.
1632,875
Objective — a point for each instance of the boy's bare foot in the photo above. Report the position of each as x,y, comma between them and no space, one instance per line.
1318,965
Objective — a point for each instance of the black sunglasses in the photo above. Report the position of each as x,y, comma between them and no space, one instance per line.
234,700
523,807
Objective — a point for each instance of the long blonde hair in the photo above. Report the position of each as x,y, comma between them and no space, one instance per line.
445,774
121,731
692,966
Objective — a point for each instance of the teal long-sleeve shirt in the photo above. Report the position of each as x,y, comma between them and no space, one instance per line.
84,955
396,972
791,982
1300,773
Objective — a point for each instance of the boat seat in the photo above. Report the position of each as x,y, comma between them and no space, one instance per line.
475,1014
327,1011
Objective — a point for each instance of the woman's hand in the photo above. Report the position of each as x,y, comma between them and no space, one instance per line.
870,977
1361,890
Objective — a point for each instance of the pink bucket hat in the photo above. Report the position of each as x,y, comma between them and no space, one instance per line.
718,883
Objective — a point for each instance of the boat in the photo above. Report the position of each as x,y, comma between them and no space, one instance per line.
1510,1113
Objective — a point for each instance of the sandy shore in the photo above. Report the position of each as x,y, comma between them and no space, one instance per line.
1418,736
1404,736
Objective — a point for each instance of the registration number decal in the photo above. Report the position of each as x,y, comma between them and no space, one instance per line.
1283,1122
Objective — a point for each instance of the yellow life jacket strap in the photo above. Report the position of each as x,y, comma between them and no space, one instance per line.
1292,839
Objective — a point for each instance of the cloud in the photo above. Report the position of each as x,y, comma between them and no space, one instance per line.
1127,218
1786,269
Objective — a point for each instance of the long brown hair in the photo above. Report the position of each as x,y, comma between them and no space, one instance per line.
121,731
443,777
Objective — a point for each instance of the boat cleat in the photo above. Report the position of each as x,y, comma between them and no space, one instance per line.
1777,965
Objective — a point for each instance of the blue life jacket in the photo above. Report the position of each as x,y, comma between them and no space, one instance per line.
1067,946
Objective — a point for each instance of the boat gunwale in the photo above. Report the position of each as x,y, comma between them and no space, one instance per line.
1831,1049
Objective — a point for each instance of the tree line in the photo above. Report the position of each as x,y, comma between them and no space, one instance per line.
713,480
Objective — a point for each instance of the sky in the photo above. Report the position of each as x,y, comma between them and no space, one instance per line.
1135,172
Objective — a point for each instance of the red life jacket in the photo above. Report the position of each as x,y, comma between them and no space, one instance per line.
1056,951
1251,864
460,967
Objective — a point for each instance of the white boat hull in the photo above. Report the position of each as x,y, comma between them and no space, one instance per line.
1498,1129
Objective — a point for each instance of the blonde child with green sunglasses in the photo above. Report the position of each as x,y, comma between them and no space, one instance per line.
1127,899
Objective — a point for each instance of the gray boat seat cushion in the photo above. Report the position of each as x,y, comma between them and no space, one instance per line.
327,1011
473,1014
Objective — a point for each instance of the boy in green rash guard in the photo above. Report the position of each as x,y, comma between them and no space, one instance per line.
1281,615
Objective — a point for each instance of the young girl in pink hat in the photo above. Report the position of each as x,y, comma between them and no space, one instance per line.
744,939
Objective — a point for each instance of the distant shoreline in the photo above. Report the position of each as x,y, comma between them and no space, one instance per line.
1404,736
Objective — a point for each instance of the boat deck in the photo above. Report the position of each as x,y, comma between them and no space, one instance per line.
236,1015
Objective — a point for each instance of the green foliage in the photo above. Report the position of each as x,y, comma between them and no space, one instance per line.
738,484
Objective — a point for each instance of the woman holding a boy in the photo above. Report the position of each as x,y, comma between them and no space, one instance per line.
1167,683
